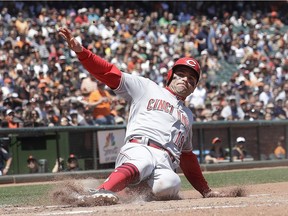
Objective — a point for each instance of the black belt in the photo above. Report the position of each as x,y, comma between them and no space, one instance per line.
154,145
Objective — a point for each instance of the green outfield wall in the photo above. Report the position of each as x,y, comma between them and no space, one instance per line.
96,147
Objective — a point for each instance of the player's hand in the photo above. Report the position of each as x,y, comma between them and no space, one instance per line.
214,194
66,34
234,192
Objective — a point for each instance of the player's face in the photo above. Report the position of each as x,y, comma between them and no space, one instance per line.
184,81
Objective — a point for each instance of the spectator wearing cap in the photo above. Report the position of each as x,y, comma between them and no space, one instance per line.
62,62
216,152
65,121
71,164
279,151
238,151
18,116
204,60
224,87
256,78
120,114
82,18
100,101
269,108
32,164
232,111
76,119
11,121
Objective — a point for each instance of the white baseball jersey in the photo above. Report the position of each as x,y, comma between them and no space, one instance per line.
157,114
159,117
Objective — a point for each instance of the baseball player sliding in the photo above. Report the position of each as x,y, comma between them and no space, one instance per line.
159,131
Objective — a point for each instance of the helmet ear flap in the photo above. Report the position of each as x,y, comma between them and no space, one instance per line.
169,77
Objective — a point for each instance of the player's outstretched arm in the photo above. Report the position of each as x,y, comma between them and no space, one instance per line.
98,67
66,34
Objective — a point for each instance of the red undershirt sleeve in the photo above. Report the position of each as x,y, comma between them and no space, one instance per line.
100,68
192,171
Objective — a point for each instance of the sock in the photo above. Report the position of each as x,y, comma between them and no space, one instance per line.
121,177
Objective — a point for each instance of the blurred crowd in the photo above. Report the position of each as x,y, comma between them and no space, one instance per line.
43,84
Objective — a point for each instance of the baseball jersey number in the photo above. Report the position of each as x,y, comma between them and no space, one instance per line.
179,141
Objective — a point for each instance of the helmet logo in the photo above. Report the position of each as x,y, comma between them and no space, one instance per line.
191,63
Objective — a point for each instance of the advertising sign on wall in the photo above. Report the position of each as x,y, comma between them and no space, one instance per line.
109,144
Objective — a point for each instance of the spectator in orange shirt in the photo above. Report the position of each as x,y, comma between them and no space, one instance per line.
279,151
21,24
101,100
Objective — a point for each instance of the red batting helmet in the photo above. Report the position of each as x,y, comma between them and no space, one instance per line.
215,140
186,61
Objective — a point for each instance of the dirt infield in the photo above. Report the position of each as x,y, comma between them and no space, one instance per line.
263,199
